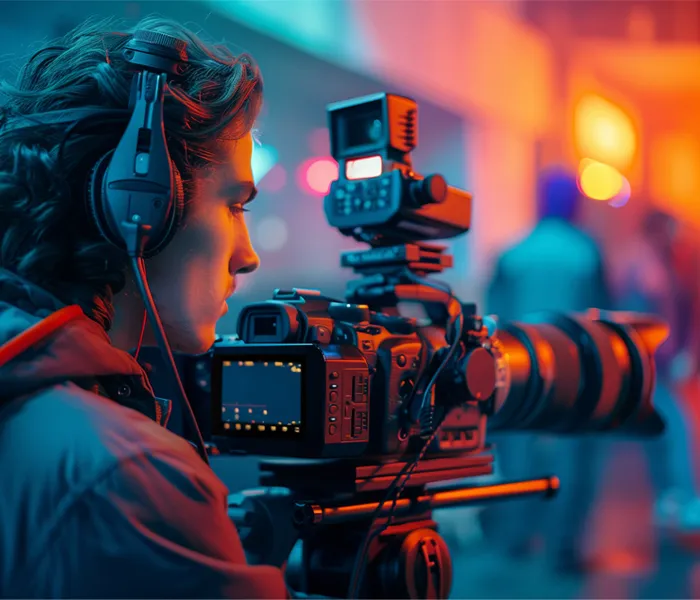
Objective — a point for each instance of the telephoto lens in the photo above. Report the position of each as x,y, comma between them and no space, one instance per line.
581,373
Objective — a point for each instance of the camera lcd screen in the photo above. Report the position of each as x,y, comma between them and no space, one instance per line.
362,129
262,397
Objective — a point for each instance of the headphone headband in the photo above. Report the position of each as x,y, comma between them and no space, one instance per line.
156,52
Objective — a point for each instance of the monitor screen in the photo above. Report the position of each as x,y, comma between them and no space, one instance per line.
262,396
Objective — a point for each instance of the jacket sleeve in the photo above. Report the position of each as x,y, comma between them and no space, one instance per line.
155,526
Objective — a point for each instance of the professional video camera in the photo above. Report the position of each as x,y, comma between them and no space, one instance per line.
370,409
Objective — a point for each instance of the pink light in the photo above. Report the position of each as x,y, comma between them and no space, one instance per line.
317,174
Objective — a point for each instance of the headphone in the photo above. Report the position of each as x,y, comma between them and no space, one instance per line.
134,192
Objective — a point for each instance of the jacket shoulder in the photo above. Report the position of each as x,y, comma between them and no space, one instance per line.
54,446
133,493
66,420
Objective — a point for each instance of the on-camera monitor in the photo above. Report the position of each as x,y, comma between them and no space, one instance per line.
262,397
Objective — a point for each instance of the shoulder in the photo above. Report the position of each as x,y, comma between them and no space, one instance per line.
77,466
93,431
57,444
554,244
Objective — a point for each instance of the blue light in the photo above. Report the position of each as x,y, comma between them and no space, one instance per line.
264,158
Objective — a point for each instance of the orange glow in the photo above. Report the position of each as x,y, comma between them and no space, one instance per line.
599,181
675,174
604,132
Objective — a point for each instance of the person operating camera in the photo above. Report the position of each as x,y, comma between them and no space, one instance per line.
98,498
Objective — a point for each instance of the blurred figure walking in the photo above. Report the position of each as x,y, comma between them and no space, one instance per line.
557,267
661,277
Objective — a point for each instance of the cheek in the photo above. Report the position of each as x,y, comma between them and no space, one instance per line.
207,251
192,272
209,238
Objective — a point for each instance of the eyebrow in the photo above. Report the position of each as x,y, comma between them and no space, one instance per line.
243,188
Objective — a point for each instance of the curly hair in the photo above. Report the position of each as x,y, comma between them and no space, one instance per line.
47,236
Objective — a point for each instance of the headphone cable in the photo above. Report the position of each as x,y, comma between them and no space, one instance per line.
139,268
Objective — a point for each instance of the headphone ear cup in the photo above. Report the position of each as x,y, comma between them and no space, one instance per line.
176,214
95,203
96,200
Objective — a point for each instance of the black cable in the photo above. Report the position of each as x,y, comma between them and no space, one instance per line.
357,574
139,269
427,408
399,481
360,558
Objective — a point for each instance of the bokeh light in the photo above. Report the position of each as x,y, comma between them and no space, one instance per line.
316,175
272,234
604,132
599,181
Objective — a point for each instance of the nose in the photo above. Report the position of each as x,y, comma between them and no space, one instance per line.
246,260
250,265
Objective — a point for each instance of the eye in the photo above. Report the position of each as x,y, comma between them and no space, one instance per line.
237,209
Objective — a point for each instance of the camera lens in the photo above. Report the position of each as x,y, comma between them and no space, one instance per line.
572,374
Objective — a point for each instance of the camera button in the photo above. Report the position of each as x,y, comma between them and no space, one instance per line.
332,428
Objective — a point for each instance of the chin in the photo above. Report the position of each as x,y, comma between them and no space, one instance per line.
192,342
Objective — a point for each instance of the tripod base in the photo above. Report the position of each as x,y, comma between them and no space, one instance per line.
408,560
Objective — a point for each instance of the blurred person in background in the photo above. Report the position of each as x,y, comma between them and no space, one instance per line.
557,267
661,277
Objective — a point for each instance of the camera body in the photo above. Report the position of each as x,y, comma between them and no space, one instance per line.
331,379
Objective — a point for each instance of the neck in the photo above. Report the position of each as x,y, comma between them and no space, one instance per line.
129,313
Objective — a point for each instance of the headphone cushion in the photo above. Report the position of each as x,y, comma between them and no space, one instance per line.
96,200
93,200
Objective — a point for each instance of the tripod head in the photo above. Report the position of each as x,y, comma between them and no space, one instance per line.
333,503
